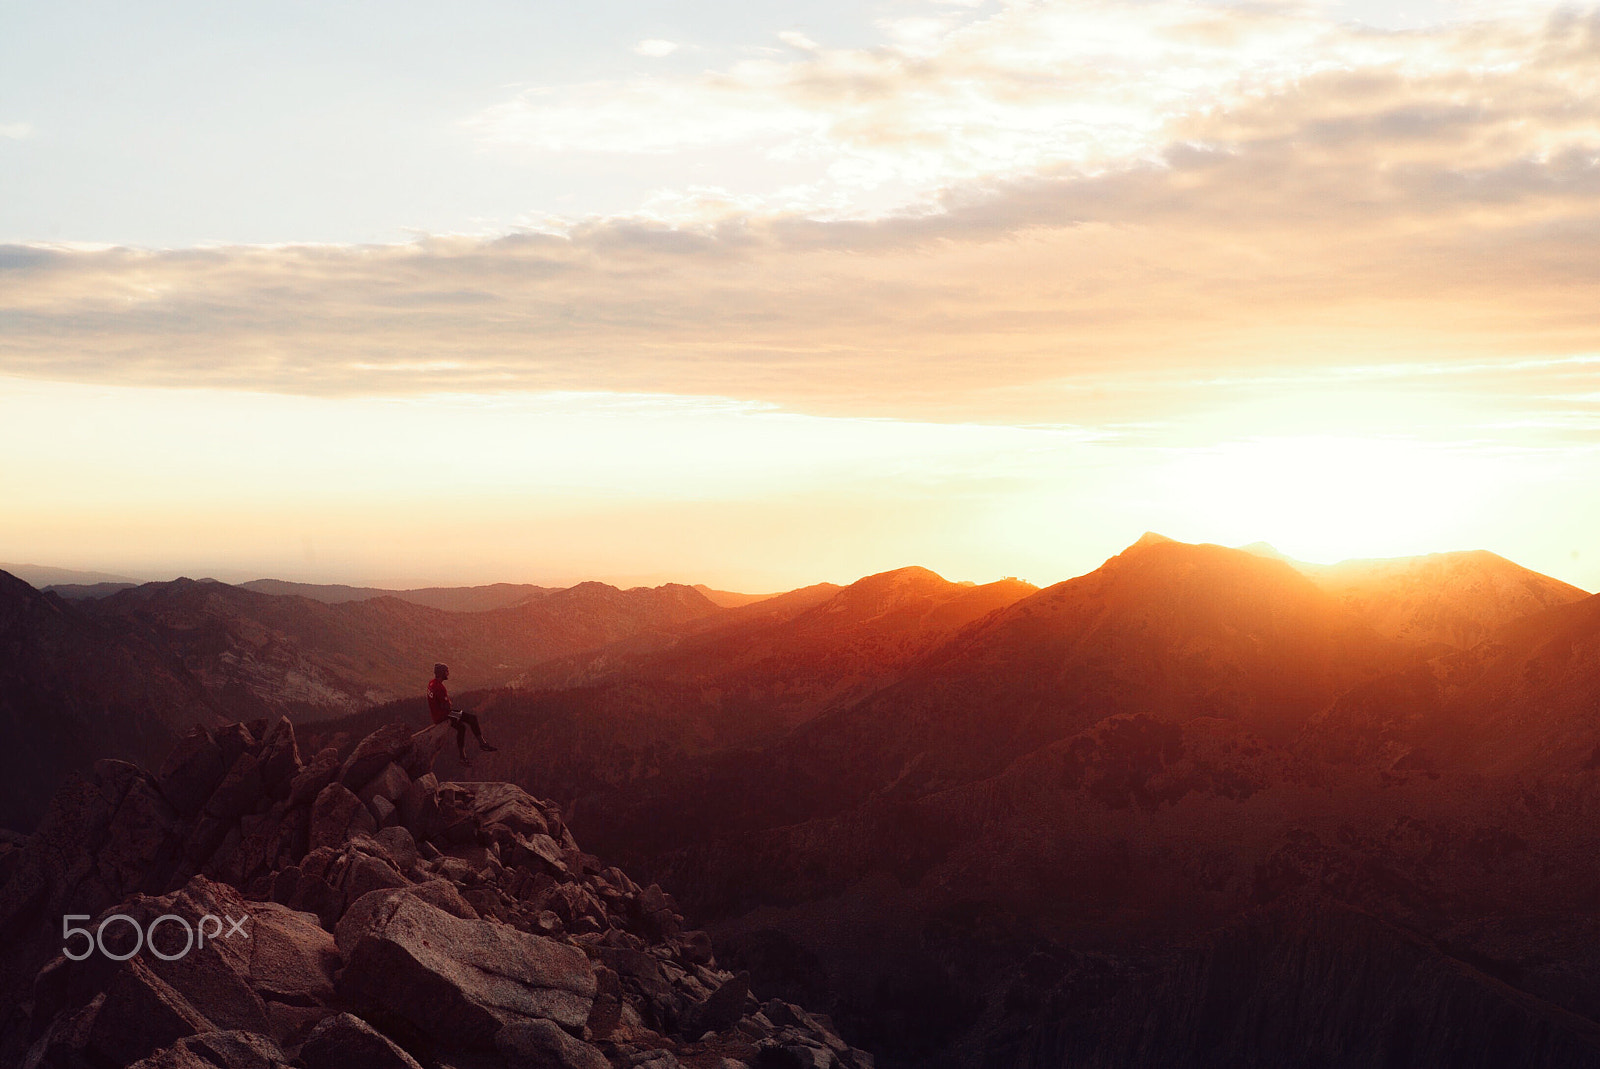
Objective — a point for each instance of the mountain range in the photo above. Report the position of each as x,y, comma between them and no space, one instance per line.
1199,807
1188,746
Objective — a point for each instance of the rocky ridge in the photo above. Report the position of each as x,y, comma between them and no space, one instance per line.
387,920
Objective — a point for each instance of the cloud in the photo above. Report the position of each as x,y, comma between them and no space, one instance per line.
1362,199
968,95
16,131
796,39
655,47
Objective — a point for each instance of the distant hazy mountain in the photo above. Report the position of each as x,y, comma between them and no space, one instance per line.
729,599
781,660
260,654
81,591
449,598
73,690
40,576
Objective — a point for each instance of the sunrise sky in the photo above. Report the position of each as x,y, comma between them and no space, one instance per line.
760,294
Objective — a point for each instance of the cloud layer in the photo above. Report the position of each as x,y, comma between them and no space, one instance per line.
1097,192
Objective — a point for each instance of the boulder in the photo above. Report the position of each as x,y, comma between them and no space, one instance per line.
191,771
294,836
315,895
210,980
309,781
508,805
783,1014
345,1041
204,838
335,815
723,1007
656,914
388,744
425,747
179,985
626,961
543,1045
139,1015
218,1050
537,853
232,741
456,817
382,810
444,895
258,845
239,790
366,874
280,755
292,958
142,845
458,980
695,949
419,808
397,843
292,1024
358,916
390,783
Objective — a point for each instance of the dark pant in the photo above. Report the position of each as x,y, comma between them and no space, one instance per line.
462,722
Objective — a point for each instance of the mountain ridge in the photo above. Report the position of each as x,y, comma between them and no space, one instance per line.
73,691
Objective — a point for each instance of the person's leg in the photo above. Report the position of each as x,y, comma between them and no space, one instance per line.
461,738
472,722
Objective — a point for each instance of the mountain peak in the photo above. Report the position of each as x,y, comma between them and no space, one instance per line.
1150,538
911,573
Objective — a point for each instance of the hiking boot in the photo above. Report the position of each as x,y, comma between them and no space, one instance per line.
486,748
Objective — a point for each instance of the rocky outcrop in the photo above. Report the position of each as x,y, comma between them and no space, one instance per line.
254,909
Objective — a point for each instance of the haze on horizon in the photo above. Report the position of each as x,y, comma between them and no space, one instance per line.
759,295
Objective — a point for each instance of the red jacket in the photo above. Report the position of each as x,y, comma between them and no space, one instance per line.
438,701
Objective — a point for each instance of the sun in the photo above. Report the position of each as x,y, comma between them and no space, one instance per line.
1331,497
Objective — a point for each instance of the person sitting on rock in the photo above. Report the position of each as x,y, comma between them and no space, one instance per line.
440,708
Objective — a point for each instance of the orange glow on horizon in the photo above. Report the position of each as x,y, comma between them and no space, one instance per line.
561,488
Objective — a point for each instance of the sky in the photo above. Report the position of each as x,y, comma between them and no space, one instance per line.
764,294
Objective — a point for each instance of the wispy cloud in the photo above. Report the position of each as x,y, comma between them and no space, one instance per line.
1035,87
16,131
655,47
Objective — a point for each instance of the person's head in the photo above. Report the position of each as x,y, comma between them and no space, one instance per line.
441,671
